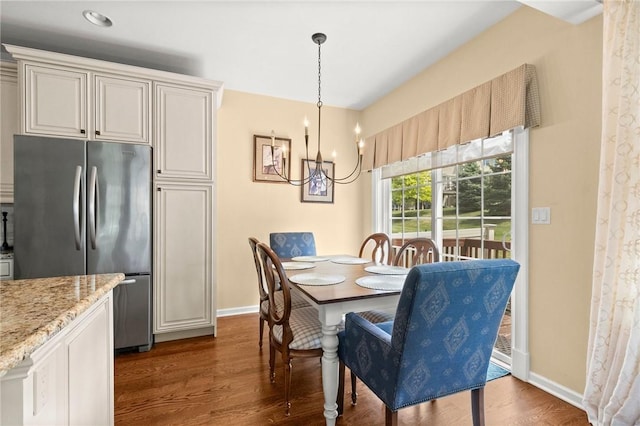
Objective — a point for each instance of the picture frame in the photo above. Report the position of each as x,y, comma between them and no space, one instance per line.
317,191
263,167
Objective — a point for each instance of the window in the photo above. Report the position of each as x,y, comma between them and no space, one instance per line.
460,198
470,199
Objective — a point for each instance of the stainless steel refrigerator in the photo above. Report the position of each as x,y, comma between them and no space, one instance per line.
84,207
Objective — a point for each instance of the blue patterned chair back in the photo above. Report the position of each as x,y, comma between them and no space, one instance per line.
443,334
291,244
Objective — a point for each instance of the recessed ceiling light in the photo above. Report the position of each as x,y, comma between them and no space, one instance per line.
97,18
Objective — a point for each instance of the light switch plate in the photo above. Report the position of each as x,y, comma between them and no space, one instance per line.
541,215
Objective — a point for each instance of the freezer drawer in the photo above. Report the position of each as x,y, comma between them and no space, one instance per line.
132,313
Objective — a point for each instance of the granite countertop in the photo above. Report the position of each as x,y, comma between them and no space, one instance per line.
32,311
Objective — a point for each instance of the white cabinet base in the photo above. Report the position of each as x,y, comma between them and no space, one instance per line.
185,334
69,379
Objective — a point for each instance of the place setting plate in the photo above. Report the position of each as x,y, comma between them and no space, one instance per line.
312,278
387,270
382,282
310,258
350,260
295,266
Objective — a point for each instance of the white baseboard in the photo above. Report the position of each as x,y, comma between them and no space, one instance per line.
184,334
237,311
572,397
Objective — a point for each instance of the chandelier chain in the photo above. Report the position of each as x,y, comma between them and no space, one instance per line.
319,75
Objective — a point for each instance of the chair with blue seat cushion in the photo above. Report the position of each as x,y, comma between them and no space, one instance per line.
293,332
441,339
291,244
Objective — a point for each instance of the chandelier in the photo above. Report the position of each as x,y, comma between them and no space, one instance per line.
318,174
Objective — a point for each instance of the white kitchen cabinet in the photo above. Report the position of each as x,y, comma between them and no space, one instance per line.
89,354
183,259
6,269
69,379
58,101
62,95
184,123
9,126
122,108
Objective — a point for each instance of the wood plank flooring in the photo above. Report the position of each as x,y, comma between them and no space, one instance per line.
224,381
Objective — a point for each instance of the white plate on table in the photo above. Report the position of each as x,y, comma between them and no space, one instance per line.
350,260
294,266
387,270
309,258
382,282
313,278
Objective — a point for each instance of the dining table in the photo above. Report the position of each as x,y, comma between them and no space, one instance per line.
358,290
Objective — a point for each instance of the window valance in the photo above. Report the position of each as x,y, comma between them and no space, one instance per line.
507,101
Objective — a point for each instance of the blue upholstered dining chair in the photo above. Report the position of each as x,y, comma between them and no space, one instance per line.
291,244
440,341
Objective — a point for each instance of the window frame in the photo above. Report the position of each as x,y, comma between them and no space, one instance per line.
381,194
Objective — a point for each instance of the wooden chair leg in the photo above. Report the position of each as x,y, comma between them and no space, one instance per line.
340,399
477,406
354,394
261,331
272,363
390,417
287,385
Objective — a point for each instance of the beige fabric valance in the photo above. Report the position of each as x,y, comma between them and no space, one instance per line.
507,101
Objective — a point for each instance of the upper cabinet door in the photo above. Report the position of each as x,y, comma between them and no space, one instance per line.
56,101
183,143
122,109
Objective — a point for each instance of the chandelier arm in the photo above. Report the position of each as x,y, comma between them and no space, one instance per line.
350,177
283,176
358,168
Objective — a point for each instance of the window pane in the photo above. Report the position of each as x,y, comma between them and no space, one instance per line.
425,226
411,225
470,196
497,195
449,227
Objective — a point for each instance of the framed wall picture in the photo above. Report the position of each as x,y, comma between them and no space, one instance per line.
269,164
319,189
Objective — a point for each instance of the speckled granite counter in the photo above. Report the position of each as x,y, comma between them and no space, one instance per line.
32,311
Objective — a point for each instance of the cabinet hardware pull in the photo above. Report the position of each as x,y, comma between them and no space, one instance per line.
82,131
98,132
159,189
159,171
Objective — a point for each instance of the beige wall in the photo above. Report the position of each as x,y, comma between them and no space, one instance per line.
247,208
564,153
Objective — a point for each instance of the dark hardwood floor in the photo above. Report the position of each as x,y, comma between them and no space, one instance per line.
224,381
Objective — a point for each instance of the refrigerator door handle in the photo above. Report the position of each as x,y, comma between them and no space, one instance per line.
93,206
77,189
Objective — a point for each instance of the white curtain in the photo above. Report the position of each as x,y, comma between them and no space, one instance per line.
612,392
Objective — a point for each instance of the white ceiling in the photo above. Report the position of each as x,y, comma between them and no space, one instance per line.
263,46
